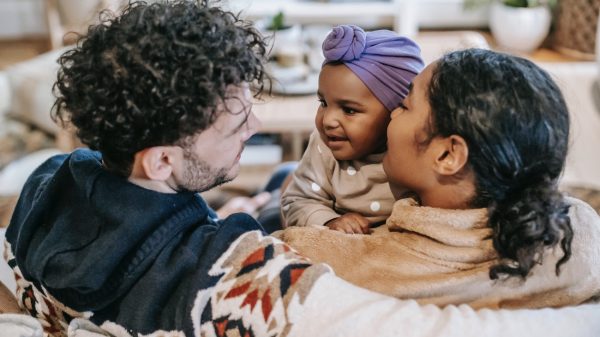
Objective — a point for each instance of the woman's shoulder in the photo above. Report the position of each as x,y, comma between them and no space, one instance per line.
583,264
585,222
584,219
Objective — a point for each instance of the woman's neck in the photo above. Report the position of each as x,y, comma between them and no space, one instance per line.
456,195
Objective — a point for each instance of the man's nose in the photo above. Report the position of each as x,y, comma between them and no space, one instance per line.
254,124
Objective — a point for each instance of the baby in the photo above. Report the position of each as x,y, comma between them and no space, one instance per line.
340,181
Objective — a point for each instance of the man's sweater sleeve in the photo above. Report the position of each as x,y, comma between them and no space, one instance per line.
309,199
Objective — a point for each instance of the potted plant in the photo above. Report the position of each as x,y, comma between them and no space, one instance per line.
277,23
284,39
518,25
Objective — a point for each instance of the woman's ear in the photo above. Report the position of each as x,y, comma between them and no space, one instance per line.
154,163
452,154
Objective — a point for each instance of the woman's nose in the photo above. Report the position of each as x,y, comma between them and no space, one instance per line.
395,112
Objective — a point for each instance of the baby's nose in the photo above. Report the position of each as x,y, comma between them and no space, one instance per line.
330,120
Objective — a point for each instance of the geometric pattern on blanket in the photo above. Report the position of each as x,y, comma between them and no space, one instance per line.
263,284
261,288
53,316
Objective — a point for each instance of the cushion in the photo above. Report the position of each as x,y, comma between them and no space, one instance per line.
30,88
5,94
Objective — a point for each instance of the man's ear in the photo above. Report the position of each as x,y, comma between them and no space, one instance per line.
155,163
452,154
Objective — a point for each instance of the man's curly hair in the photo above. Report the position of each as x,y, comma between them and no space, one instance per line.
153,76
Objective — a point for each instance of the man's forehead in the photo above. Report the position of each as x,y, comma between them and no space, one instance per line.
237,98
234,111
239,91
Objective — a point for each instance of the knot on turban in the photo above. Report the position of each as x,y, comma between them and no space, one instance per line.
344,43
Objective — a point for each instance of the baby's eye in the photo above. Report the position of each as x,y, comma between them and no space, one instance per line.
402,106
349,111
322,103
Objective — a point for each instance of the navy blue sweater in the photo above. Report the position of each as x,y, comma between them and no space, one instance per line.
130,255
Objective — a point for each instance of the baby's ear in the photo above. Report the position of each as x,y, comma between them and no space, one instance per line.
155,163
452,154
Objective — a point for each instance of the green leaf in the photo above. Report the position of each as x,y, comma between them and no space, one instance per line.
277,22
517,3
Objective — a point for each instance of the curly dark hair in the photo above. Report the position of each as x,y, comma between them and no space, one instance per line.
154,75
516,124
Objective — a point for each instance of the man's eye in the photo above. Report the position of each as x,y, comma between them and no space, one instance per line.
322,103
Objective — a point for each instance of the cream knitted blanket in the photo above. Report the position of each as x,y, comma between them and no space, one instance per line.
443,257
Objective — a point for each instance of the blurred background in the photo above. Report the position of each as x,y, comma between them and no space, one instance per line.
559,35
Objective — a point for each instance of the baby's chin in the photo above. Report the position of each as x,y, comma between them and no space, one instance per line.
340,156
350,158
350,154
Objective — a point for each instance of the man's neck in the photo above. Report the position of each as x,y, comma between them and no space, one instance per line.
157,186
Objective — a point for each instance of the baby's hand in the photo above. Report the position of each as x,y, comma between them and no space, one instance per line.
350,223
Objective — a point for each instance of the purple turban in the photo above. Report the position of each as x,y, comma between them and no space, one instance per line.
384,61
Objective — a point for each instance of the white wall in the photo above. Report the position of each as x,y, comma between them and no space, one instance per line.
22,18
429,13
450,14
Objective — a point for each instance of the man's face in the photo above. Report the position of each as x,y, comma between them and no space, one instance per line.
212,157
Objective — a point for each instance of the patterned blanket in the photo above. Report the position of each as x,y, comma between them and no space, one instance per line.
266,289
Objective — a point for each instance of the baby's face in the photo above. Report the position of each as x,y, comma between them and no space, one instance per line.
350,119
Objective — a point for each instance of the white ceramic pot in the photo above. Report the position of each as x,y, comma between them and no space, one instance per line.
519,29
283,40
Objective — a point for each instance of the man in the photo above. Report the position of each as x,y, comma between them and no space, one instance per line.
122,238
163,93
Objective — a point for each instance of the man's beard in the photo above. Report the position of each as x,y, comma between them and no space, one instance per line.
199,176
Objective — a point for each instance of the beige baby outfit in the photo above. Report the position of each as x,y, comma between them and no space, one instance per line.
323,188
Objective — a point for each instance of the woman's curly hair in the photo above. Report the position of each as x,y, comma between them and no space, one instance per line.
516,124
154,75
